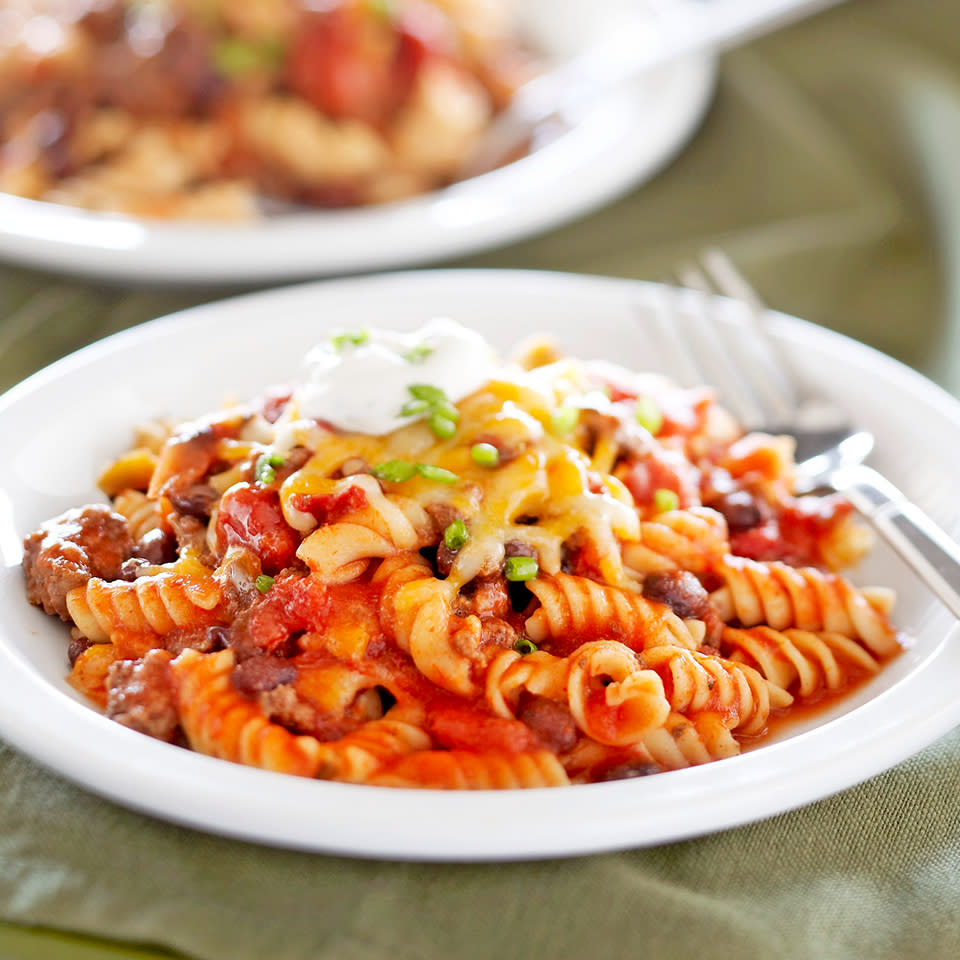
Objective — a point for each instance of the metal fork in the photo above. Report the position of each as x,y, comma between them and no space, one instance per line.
756,384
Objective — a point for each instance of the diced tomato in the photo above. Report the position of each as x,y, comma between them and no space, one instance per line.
794,534
459,728
424,32
586,559
662,470
765,542
352,62
291,605
274,401
251,517
329,507
341,61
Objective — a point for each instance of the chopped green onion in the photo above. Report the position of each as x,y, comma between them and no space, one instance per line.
456,535
381,8
525,645
518,569
664,500
430,472
425,391
485,454
352,338
418,354
394,471
564,419
446,409
264,470
442,415
648,414
264,583
442,426
413,408
233,56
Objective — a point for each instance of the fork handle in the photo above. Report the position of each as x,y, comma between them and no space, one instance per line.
931,552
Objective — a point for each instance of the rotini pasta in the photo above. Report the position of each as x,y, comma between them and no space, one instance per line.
809,661
421,567
782,596
693,539
578,609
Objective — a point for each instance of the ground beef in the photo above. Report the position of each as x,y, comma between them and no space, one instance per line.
627,771
742,510
680,590
258,674
497,633
485,598
140,695
284,705
550,719
67,551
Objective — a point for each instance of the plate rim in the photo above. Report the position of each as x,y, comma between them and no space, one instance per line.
46,742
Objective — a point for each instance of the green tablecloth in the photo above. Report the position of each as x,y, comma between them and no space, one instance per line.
829,168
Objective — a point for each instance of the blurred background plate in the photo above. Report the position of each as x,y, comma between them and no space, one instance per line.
612,147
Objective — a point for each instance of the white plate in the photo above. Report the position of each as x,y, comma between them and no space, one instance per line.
60,426
612,148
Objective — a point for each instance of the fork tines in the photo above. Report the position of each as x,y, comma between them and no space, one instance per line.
726,342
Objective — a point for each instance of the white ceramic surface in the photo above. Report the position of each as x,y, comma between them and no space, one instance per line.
60,426
610,149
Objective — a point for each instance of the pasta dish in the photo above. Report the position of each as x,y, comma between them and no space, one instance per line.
212,110
419,566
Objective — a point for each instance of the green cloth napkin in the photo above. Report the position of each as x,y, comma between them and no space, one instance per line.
828,168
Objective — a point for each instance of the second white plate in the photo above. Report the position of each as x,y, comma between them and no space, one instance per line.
615,146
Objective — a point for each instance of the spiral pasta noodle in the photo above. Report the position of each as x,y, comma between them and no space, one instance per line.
807,660
220,722
341,551
690,741
577,607
692,539
697,683
461,770
612,697
782,596
156,605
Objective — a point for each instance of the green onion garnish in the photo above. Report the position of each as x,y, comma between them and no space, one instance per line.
263,583
485,454
233,56
442,426
413,408
394,471
648,414
265,468
564,419
418,353
425,391
525,645
446,409
430,472
456,535
518,569
664,500
380,8
351,338
442,415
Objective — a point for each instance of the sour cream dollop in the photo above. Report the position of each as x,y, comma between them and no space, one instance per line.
359,382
